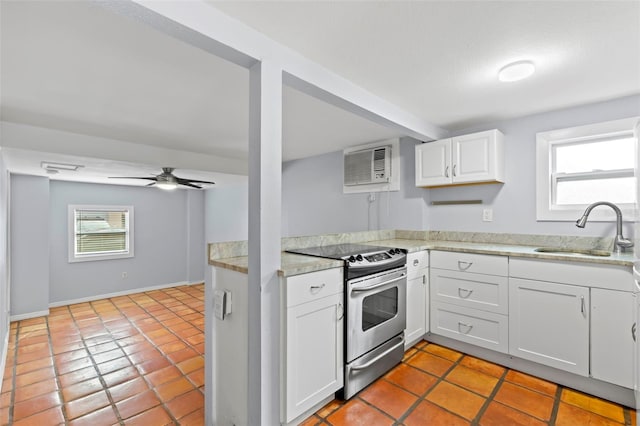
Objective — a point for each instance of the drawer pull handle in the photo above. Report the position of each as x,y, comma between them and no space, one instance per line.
416,262
454,170
468,327
633,331
464,292
446,171
315,289
463,266
582,304
341,308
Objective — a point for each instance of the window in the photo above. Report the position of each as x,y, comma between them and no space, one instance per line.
581,165
100,232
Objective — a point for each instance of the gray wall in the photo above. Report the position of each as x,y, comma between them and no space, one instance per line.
29,244
4,265
168,238
162,250
226,212
313,201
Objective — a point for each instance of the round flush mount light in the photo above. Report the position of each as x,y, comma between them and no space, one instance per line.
516,71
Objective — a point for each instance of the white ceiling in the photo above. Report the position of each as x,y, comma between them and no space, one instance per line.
76,67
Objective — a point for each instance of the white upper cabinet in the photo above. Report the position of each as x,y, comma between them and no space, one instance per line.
473,158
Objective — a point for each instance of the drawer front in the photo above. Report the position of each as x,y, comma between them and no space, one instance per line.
416,262
486,292
312,286
479,328
470,262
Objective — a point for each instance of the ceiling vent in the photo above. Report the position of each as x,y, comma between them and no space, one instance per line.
367,166
53,168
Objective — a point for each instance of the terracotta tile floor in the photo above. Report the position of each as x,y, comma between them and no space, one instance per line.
437,386
134,359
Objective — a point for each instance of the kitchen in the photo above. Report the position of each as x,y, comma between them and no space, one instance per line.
512,203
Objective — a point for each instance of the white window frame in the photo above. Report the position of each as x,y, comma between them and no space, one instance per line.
71,227
546,210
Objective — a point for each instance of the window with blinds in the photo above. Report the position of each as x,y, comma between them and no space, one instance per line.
100,232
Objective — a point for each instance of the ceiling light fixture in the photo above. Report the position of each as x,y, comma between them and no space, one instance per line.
516,71
167,186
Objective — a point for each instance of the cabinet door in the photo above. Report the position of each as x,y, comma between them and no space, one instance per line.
549,324
433,163
612,320
476,158
314,353
416,309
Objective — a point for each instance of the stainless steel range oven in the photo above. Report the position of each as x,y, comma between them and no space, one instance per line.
375,297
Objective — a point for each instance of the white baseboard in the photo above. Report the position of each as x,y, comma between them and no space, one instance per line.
28,315
119,293
3,355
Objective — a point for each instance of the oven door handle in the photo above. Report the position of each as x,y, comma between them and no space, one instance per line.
373,287
378,358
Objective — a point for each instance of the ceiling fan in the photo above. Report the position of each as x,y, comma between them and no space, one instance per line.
167,180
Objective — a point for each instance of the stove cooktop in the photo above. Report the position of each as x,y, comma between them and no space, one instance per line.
340,251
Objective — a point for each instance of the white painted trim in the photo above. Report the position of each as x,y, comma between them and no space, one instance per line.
71,233
28,315
544,140
120,293
3,355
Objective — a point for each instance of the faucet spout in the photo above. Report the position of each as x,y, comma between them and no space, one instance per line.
620,242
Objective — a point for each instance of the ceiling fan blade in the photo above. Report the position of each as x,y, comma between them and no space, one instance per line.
133,177
190,185
181,180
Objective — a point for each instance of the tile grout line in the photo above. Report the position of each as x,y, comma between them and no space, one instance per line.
14,373
63,408
95,365
165,356
489,399
556,405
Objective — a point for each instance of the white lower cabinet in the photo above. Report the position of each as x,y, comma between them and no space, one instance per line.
549,324
612,336
313,341
473,326
469,297
417,298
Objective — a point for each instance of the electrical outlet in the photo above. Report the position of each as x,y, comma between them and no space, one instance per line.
487,215
124,275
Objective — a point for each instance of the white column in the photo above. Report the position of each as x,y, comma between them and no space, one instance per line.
265,169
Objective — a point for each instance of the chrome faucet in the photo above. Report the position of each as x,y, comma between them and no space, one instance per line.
620,242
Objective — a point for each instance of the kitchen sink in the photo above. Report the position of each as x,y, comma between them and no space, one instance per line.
562,250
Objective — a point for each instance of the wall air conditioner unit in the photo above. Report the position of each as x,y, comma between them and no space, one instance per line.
367,166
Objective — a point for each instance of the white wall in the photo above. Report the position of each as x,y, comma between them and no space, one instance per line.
313,201
168,237
29,245
4,264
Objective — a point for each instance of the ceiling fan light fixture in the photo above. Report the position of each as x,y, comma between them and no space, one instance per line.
167,186
516,71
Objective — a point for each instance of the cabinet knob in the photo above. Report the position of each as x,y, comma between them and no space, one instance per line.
416,262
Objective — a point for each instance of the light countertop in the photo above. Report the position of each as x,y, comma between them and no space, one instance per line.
294,264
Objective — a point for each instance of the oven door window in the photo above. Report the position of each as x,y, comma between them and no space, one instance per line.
379,307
